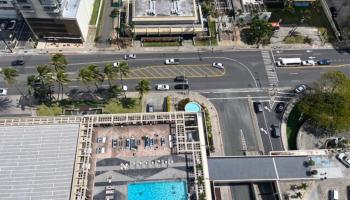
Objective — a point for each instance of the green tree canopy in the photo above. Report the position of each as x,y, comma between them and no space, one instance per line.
328,105
10,75
260,30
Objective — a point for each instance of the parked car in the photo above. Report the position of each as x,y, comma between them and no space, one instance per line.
129,56
280,107
125,88
308,63
17,62
3,92
162,87
299,89
114,143
181,86
150,108
275,131
180,79
333,11
324,62
342,157
172,61
218,65
258,107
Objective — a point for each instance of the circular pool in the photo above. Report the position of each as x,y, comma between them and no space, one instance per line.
192,107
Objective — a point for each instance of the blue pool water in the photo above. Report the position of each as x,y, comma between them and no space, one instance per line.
192,107
170,190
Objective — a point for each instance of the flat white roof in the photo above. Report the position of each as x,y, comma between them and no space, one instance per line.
37,161
290,60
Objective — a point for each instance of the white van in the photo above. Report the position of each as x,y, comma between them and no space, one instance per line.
334,194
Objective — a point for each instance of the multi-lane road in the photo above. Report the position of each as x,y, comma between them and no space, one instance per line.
248,77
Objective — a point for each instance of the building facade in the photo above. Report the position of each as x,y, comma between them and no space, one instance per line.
57,20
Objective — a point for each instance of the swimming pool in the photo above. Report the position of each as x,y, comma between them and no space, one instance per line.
165,190
192,107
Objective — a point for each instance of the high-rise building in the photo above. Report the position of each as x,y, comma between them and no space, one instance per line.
57,20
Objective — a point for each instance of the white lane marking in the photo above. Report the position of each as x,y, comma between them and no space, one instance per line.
296,81
257,97
294,73
73,86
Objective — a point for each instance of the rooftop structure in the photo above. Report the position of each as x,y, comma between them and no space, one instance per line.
36,161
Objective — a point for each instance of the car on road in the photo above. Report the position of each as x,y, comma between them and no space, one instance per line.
258,107
300,88
308,63
275,131
125,88
114,143
180,79
172,61
3,92
162,87
129,56
324,62
181,86
150,108
342,157
17,62
333,11
218,65
280,107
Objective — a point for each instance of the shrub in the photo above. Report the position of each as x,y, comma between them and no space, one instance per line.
168,104
181,105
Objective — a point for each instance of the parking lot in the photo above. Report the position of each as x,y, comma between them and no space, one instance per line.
166,71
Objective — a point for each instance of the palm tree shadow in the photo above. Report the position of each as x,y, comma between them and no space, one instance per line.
127,102
5,103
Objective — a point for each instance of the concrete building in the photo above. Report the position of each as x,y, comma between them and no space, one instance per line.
57,20
7,10
166,17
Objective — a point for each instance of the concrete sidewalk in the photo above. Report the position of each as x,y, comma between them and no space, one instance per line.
14,106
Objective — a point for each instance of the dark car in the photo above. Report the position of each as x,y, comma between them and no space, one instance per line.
275,131
17,62
280,107
258,107
333,11
324,62
150,108
180,79
181,87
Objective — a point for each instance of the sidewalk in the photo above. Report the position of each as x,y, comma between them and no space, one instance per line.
11,106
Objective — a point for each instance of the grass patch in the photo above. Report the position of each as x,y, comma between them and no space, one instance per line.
94,15
129,105
161,44
212,28
202,42
313,16
294,39
293,125
44,110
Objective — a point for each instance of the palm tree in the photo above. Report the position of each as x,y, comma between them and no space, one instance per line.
59,62
124,70
86,76
143,87
62,79
10,75
30,84
44,74
111,73
96,75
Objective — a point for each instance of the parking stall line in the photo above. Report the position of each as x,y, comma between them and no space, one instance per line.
154,71
159,72
192,71
171,72
179,72
163,71
204,71
148,73
216,71
142,74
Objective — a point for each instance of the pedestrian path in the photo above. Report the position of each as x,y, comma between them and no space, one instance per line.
270,69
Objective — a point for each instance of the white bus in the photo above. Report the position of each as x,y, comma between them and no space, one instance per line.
285,62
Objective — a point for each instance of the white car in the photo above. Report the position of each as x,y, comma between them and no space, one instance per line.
172,61
125,88
3,92
129,56
218,65
162,87
308,63
344,159
300,89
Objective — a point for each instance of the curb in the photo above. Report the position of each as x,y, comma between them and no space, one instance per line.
284,122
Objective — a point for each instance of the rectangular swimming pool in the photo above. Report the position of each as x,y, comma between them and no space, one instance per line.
164,190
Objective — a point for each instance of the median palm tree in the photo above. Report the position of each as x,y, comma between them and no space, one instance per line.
111,73
143,87
10,75
46,78
59,62
44,74
86,76
124,70
96,75
62,79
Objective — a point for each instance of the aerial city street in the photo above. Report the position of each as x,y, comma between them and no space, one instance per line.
175,99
